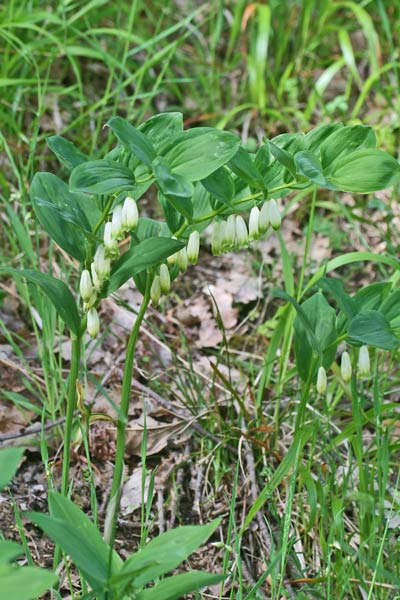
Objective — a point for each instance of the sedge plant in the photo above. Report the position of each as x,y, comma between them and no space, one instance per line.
203,177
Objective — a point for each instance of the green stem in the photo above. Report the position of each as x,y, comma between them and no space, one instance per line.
113,505
308,242
71,406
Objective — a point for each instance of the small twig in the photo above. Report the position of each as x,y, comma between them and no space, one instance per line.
32,430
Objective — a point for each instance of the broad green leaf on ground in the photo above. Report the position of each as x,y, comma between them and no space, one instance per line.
133,139
67,153
390,306
371,296
173,588
78,537
344,141
56,291
322,319
101,177
49,191
373,329
147,254
343,300
25,583
9,461
164,553
364,171
9,550
196,157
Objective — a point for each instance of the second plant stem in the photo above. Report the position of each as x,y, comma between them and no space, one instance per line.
115,494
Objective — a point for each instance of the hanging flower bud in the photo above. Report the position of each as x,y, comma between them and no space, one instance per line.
117,230
321,381
193,247
95,278
171,260
91,302
253,223
274,215
230,231
155,290
165,279
217,238
264,221
85,286
242,236
93,322
130,214
364,365
345,367
101,263
110,243
182,260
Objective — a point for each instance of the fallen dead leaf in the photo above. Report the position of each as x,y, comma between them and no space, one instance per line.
158,435
131,498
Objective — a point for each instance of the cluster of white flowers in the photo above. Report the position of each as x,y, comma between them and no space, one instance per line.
124,219
346,370
234,233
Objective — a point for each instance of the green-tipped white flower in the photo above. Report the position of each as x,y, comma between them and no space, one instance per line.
91,302
85,286
101,264
321,381
155,290
345,367
117,230
230,231
93,322
364,364
253,223
110,242
182,260
274,215
193,247
95,278
130,214
217,238
171,260
242,236
264,221
165,279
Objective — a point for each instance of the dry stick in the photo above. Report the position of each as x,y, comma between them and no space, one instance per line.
32,430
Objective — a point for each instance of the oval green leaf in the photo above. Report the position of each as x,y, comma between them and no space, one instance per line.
101,177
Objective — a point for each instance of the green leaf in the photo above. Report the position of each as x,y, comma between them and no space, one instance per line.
302,316
344,141
220,185
9,461
316,136
344,301
364,171
25,583
390,306
133,140
9,551
373,329
284,157
174,218
322,319
197,156
176,188
179,585
307,164
371,296
101,177
161,127
78,537
243,166
164,553
56,291
49,191
67,153
147,254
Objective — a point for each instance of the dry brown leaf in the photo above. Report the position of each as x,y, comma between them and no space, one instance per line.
131,498
158,435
